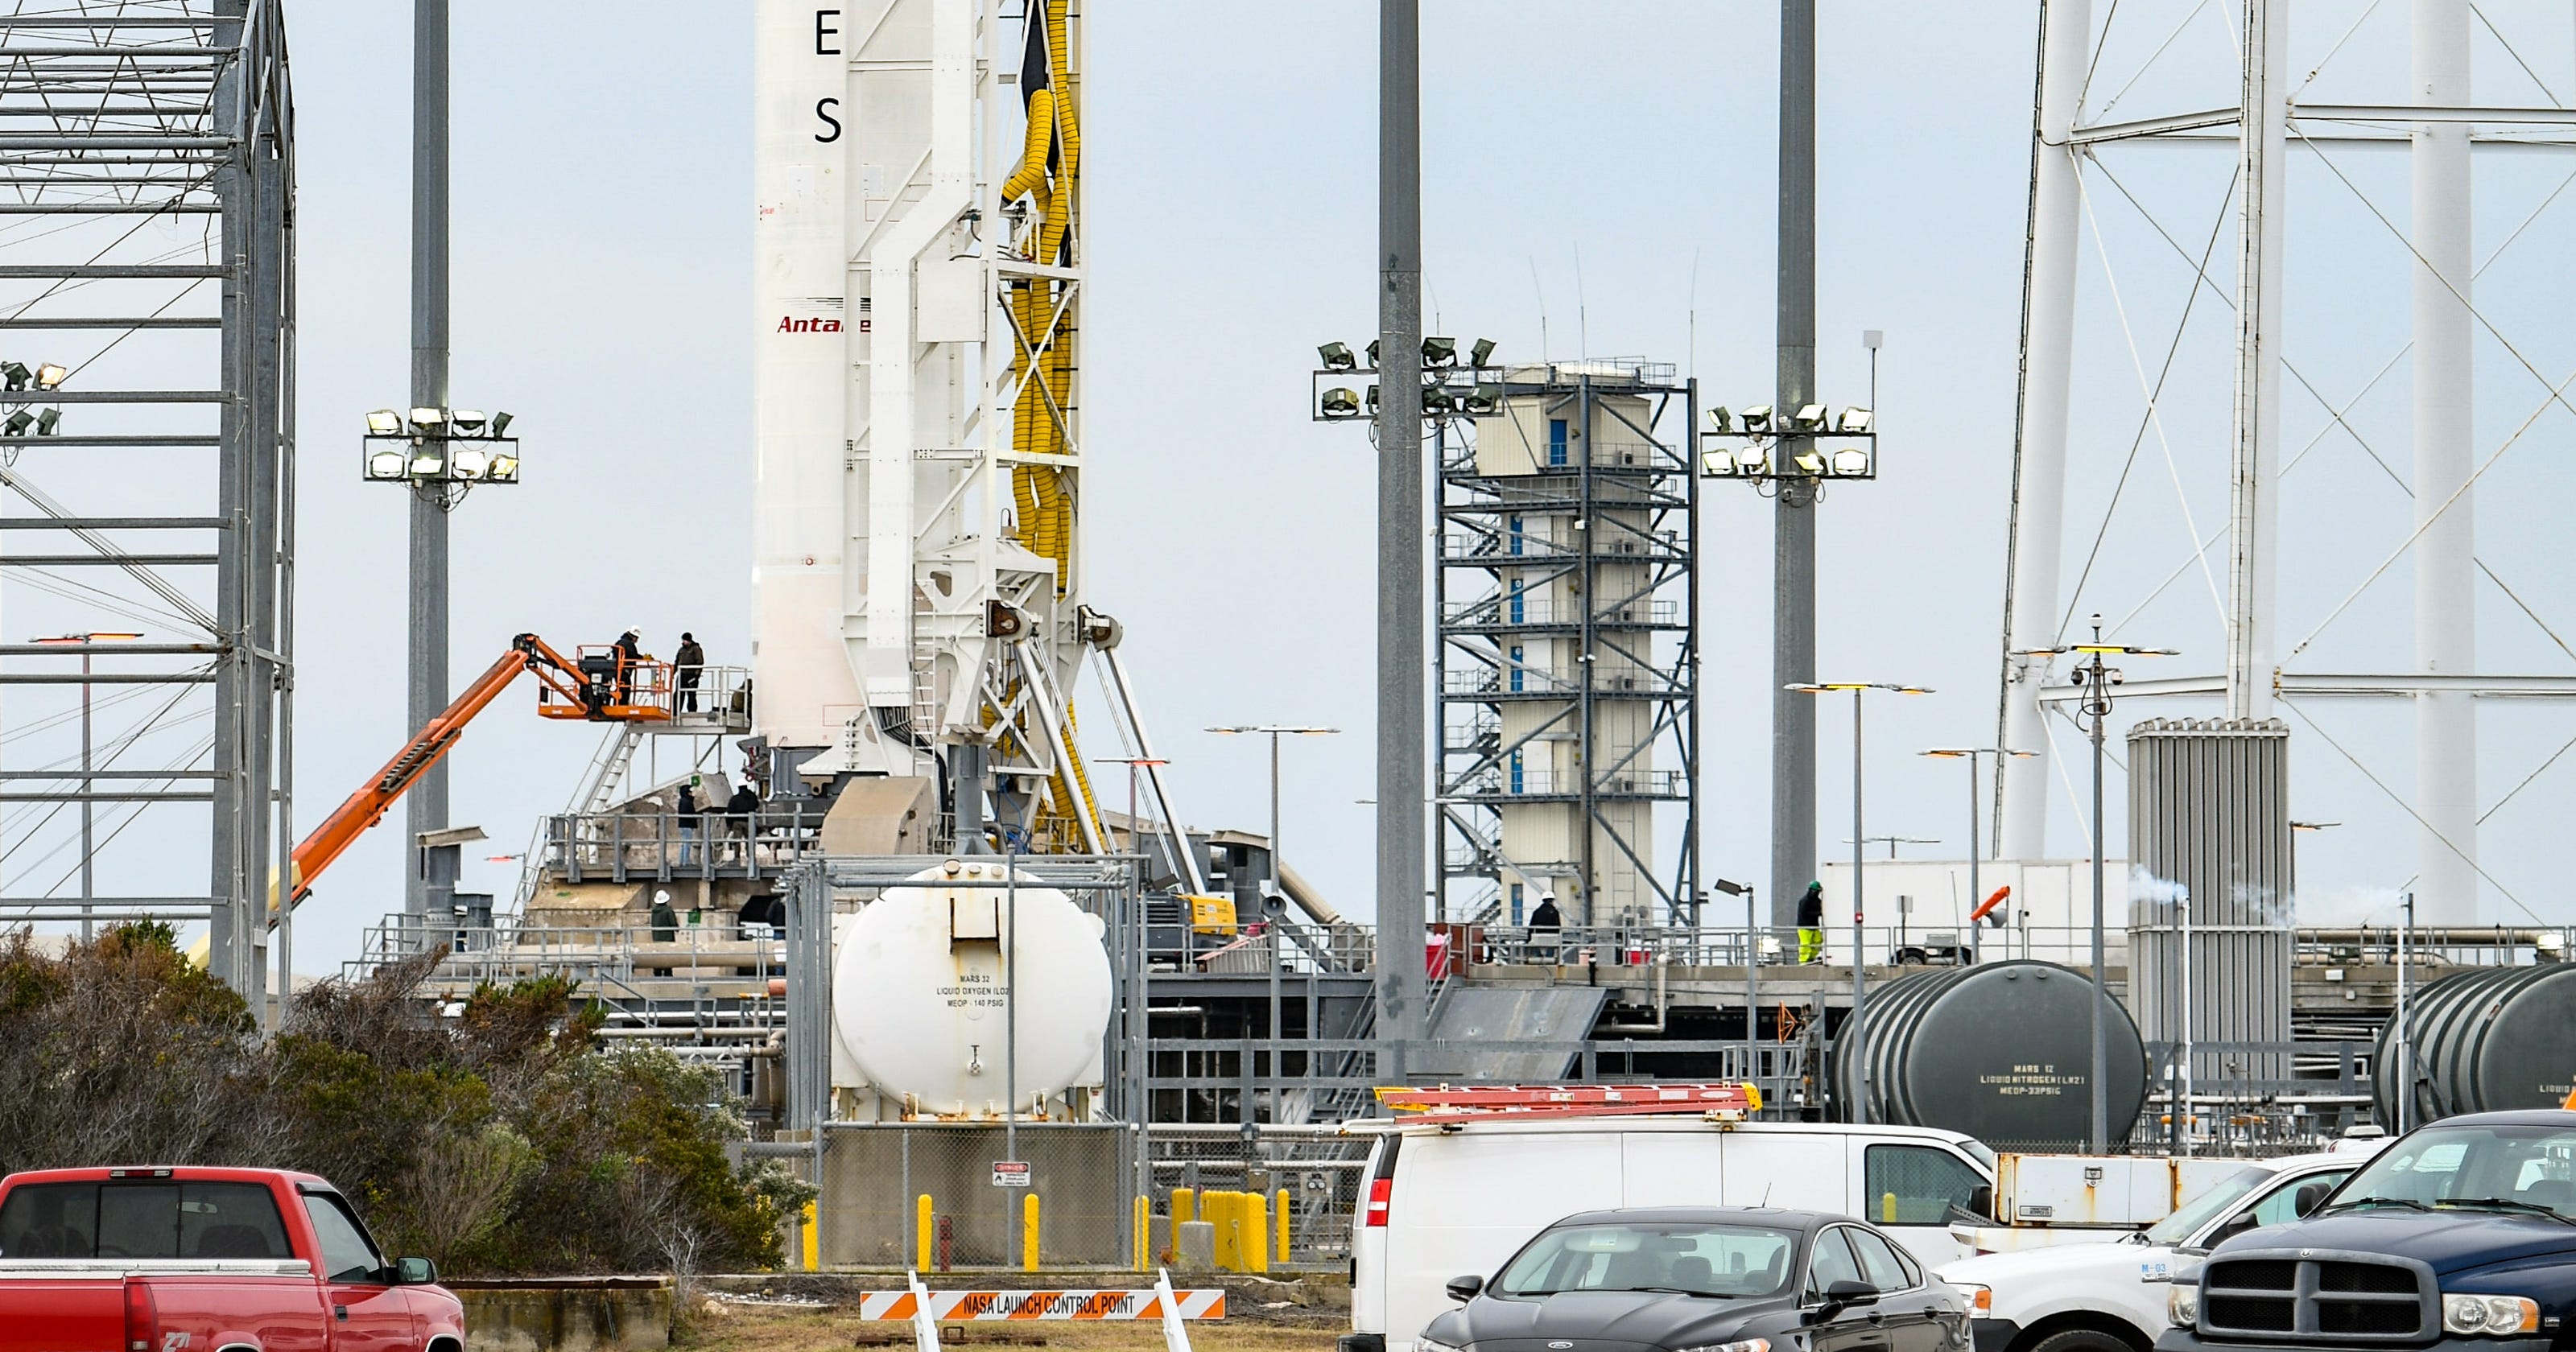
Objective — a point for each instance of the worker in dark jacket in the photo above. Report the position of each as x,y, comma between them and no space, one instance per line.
630,657
687,666
666,925
740,810
687,813
1544,927
1811,924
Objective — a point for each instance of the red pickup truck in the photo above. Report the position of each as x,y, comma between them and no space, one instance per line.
205,1260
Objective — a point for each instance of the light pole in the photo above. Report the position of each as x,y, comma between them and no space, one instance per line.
1752,981
1269,925
2295,829
439,454
2405,1057
1976,842
1276,731
1860,836
87,643
1790,453
2095,679
1133,764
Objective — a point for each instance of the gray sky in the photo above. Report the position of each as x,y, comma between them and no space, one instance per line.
603,264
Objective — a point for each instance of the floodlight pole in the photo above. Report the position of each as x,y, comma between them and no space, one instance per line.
425,806
1793,555
1403,752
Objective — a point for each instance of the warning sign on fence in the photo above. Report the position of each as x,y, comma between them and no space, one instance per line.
1010,1173
960,1305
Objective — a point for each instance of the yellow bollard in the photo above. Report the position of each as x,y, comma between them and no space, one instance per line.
1184,1210
1144,1232
1283,1225
1887,1208
1029,1232
1253,1213
809,1239
1219,1207
922,1233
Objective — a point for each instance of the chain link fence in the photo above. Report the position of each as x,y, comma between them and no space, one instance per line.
1320,1170
875,1177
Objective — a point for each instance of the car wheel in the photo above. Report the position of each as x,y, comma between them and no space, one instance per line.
2081,1340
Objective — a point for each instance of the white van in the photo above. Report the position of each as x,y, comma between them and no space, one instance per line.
1447,1199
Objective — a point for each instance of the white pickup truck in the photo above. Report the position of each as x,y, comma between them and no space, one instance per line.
2111,1297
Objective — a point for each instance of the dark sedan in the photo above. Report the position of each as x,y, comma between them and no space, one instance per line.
1704,1279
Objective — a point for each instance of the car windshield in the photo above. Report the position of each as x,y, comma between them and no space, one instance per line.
2494,1168
1731,1261
2191,1215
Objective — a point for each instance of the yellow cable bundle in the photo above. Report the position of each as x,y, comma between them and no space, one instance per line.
1038,414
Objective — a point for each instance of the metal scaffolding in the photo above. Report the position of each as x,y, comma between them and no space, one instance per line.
147,340
1568,655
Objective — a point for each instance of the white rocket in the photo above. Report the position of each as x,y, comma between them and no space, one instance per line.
917,556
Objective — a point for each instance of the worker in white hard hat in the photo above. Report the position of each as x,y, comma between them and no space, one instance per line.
666,924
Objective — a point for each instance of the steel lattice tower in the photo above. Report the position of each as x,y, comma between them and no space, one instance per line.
1567,657
147,300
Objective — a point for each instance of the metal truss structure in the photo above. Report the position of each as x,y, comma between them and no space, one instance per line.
1567,656
147,337
921,580
2121,87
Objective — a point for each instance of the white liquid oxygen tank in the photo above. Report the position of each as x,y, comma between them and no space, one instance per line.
918,990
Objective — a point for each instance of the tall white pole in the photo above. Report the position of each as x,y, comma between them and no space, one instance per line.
2182,1107
2254,508
1860,959
2039,479
2446,734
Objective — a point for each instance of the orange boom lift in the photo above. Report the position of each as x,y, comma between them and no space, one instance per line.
598,687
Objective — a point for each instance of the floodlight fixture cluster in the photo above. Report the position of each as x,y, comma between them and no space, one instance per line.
20,378
1764,444
1440,399
440,446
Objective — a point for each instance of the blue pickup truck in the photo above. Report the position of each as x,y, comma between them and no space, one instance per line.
2459,1237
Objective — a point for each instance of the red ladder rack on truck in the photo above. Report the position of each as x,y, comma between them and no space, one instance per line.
1723,1100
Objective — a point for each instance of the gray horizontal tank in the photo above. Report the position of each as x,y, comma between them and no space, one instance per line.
2485,1039
2002,1051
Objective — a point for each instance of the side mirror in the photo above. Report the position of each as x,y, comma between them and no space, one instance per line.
415,1272
1840,1296
1981,1200
2236,1225
1464,1289
2310,1197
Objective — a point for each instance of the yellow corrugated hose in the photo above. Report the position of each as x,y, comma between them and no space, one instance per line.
1040,413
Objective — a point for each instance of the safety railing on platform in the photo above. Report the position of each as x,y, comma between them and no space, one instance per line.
695,945
632,845
1637,945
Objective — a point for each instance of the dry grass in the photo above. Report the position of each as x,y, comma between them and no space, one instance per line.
756,1328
